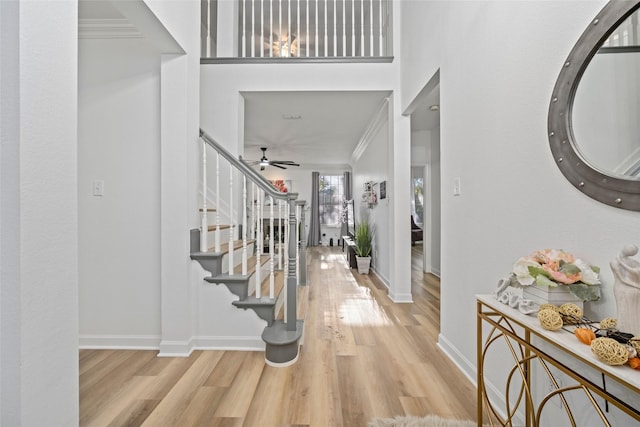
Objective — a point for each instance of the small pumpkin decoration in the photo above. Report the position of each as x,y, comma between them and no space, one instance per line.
585,335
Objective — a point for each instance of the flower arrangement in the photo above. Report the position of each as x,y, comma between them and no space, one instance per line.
555,267
280,185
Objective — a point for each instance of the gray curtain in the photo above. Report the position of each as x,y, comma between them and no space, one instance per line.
314,220
347,196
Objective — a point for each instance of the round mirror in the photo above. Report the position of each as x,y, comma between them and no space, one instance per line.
594,116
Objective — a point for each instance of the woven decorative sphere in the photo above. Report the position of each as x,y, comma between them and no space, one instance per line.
608,323
548,306
571,313
550,319
635,343
610,351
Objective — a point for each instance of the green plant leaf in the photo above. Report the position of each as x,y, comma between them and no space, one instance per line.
542,280
585,292
568,268
538,271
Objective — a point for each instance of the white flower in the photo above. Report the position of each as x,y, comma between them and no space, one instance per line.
588,276
521,270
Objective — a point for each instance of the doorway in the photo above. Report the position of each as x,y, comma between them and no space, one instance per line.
424,112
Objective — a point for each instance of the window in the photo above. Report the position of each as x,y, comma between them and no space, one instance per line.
331,194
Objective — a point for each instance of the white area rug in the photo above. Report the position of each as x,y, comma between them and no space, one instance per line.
428,421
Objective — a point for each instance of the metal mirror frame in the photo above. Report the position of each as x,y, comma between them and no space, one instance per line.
613,191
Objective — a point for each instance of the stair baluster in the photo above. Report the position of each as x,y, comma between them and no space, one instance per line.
259,243
280,232
204,221
217,234
244,225
272,284
231,222
297,207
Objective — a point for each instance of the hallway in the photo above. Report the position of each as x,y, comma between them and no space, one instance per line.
362,357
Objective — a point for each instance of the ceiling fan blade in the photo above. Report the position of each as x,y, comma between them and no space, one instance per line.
277,166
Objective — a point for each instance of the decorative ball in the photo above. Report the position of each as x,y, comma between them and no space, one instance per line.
550,319
608,323
571,313
548,306
635,343
610,351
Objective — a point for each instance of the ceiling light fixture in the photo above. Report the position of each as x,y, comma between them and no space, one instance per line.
285,48
434,107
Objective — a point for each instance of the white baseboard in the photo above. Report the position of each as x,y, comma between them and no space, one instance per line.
470,371
229,343
120,342
170,348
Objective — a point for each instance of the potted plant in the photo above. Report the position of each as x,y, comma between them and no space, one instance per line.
363,238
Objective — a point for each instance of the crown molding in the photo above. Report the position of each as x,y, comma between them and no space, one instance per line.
381,117
113,28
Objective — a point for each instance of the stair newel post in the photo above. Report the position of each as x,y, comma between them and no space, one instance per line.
280,231
291,301
271,250
297,244
204,224
302,270
258,244
217,233
231,220
286,241
244,225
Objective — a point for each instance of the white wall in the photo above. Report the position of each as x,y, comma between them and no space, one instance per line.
39,296
119,144
502,62
373,165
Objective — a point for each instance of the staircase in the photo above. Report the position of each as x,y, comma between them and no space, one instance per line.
261,281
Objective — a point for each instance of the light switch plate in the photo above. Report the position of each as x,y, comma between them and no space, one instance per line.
98,188
456,186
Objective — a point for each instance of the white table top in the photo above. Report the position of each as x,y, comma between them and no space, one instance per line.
566,341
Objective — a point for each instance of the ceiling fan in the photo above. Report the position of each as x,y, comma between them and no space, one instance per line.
264,162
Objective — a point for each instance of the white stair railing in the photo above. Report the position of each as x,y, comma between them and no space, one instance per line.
343,28
260,188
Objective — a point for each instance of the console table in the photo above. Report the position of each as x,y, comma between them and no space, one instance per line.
603,394
349,249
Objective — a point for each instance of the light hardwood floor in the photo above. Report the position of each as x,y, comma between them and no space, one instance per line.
363,357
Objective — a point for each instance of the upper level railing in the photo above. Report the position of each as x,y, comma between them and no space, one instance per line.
304,28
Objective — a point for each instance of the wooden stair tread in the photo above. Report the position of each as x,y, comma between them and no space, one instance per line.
215,227
278,284
209,209
237,244
251,265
